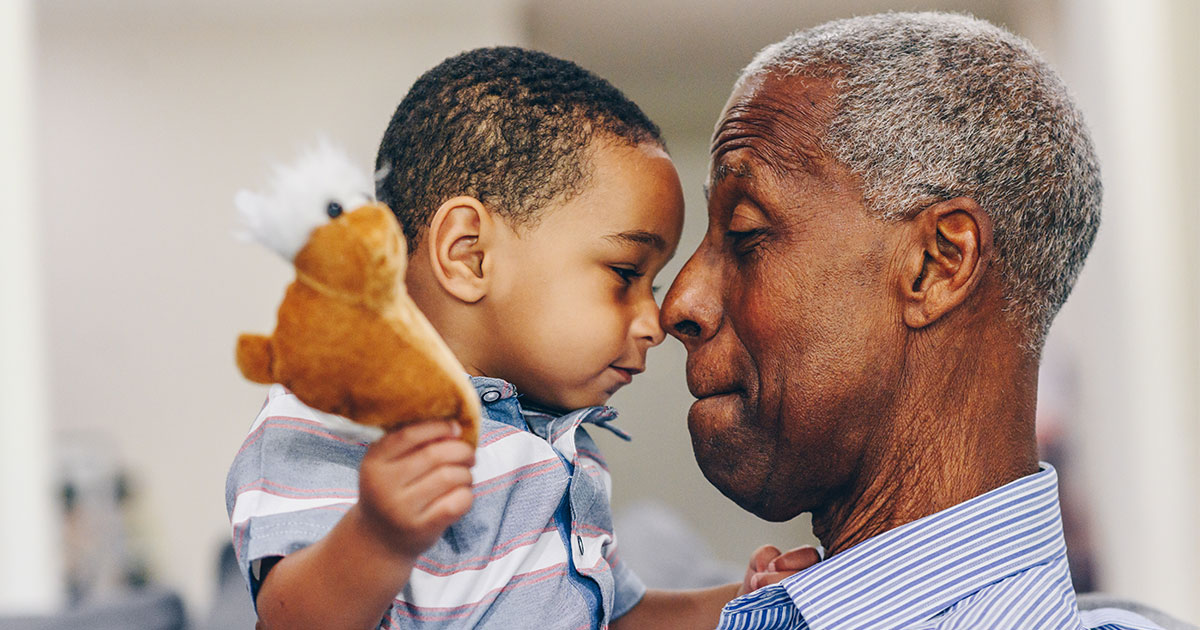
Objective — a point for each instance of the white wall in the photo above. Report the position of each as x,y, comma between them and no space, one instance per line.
150,117
30,578
1132,321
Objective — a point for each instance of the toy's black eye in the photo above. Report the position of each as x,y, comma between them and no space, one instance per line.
334,209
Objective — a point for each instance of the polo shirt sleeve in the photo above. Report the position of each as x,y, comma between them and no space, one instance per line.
289,484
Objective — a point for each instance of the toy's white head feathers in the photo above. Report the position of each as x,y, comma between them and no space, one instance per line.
319,186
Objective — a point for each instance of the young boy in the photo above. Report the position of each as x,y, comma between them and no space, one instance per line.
539,204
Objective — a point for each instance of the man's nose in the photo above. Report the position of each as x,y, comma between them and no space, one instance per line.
691,311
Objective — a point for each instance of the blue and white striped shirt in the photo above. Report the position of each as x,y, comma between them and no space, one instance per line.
536,549
995,561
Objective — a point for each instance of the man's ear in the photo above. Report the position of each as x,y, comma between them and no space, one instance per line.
950,246
460,235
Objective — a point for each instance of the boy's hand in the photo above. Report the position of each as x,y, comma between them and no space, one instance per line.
768,565
413,484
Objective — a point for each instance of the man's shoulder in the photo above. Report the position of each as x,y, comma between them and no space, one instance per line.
1036,598
1101,611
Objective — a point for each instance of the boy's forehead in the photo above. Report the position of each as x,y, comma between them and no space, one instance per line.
646,238
631,197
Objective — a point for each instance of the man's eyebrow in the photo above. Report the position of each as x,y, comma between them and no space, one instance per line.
639,237
723,171
741,171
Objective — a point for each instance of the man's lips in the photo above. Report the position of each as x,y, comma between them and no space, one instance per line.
708,387
713,393
702,388
712,372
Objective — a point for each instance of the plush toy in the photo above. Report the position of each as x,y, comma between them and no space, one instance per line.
349,340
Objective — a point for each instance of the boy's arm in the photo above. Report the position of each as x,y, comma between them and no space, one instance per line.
702,608
677,609
413,483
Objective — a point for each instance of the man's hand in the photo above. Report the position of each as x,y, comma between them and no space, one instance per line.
768,565
413,484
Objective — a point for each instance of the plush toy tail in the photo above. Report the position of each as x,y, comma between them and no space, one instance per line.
254,358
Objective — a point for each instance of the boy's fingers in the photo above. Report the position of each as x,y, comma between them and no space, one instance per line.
400,441
794,560
449,507
759,580
413,465
427,489
762,557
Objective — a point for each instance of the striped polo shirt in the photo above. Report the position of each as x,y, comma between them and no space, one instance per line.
536,549
997,561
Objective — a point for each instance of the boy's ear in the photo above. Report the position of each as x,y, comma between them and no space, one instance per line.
949,245
459,236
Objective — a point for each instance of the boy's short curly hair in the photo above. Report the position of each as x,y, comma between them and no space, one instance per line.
505,125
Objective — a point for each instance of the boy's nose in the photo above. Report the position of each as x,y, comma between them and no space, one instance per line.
646,325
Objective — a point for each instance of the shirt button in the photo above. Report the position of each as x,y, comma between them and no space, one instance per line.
579,539
491,396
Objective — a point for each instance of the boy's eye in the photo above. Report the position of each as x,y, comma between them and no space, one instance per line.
626,274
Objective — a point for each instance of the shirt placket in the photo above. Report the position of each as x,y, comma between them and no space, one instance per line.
591,529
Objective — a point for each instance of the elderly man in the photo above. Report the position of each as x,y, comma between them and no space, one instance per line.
898,206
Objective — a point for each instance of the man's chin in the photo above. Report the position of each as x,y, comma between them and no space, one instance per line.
734,458
747,494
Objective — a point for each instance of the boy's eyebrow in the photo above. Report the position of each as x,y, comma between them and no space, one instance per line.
639,237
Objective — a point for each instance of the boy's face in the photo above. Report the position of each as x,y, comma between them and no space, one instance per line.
574,307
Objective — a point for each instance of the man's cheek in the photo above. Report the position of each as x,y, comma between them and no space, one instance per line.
770,331
758,316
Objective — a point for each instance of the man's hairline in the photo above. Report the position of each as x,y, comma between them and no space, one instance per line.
814,167
1033,341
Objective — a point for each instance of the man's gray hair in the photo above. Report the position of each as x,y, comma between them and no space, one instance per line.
932,106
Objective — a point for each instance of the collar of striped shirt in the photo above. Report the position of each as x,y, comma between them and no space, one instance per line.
545,424
918,571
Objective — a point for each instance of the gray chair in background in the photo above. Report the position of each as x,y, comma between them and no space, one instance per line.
143,609
1095,601
231,607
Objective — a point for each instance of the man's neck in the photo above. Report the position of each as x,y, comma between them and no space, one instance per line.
955,436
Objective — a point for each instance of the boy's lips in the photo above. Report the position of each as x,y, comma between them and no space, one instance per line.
627,373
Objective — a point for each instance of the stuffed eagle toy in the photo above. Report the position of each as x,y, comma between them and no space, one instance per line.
349,340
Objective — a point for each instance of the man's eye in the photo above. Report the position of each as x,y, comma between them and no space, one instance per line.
627,274
744,242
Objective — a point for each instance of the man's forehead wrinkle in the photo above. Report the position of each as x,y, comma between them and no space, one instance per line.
783,133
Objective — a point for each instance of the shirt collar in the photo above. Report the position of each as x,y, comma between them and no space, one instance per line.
918,570
494,390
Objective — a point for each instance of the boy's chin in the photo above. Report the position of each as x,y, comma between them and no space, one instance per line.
565,404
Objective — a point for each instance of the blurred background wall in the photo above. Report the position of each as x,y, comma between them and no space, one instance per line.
145,117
